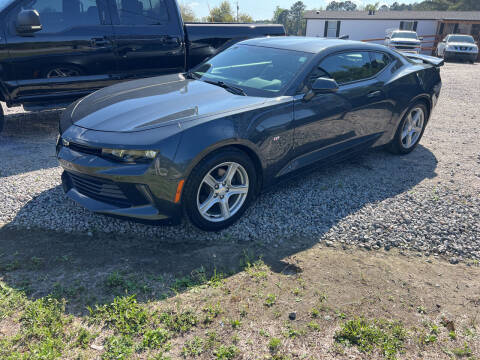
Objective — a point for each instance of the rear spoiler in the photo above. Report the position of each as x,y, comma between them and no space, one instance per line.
431,60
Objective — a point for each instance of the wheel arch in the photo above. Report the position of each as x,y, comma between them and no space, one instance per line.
243,146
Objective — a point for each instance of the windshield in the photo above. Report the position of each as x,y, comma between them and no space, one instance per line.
4,3
461,38
258,71
404,35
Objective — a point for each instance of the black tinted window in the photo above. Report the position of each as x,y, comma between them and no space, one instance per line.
348,67
379,61
61,15
141,12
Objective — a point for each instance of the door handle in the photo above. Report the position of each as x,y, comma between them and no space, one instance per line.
374,94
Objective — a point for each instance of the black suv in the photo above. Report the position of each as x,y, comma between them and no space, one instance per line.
55,51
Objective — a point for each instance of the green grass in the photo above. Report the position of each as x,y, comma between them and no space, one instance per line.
225,352
462,352
194,347
179,322
270,300
125,316
156,339
118,348
274,344
84,338
367,335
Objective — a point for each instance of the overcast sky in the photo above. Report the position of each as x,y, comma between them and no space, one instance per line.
263,9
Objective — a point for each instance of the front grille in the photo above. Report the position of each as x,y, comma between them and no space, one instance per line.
100,189
85,149
404,47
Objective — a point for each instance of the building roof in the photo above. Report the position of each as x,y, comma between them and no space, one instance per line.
312,45
394,15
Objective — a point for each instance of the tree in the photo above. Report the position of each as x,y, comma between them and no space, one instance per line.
187,13
245,18
400,7
296,20
222,13
371,7
280,16
341,6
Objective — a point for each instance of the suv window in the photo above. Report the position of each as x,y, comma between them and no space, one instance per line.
379,61
348,67
61,15
141,12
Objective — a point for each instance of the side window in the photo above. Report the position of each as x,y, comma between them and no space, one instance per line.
379,61
141,12
348,67
57,16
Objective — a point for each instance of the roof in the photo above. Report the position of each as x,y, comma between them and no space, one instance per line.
311,45
395,15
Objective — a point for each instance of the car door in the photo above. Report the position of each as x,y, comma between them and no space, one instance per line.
70,56
148,38
352,117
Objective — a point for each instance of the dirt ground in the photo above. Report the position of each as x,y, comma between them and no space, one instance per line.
422,292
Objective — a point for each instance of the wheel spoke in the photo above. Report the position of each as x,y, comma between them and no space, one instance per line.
207,205
225,209
210,181
404,134
417,129
232,169
409,140
238,190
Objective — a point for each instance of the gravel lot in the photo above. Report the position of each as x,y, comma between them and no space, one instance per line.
427,201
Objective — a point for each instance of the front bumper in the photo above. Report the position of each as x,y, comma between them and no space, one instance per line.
133,191
457,55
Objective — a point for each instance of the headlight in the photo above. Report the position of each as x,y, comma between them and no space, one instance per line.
450,47
130,155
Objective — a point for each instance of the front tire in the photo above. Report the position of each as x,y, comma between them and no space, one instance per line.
219,190
410,130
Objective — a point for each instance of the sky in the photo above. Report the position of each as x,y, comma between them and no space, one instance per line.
263,9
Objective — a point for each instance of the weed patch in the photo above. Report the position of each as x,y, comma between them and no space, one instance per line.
370,334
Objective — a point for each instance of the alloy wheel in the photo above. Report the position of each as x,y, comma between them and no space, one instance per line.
222,192
413,127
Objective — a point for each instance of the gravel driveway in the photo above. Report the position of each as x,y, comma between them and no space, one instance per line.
427,201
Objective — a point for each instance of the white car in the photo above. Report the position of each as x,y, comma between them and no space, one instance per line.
404,41
461,47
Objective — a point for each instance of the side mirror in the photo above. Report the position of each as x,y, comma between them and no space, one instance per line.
324,86
321,85
420,38
28,22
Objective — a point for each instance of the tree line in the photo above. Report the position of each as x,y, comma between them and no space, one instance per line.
294,23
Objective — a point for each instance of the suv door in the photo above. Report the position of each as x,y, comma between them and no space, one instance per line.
354,116
148,37
69,57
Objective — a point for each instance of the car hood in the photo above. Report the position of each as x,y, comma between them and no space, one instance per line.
466,44
147,103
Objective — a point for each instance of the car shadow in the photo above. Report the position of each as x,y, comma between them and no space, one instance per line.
24,137
101,257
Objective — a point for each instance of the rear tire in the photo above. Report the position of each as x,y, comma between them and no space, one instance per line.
2,118
219,189
410,130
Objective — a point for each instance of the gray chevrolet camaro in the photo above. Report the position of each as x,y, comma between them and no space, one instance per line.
206,142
